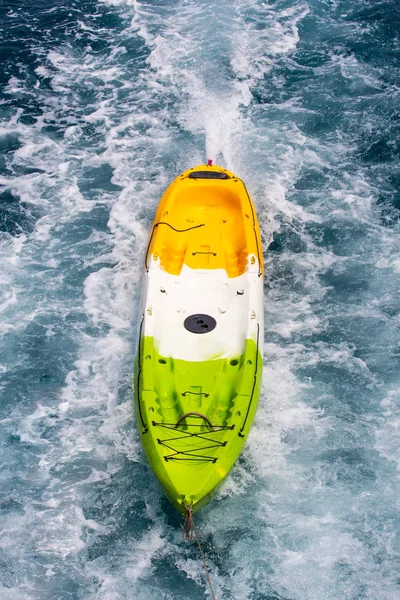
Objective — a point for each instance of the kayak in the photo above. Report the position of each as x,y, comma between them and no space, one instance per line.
199,358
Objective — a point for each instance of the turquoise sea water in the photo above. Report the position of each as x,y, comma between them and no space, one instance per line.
102,104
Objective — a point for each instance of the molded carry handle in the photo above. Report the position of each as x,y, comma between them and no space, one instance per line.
195,414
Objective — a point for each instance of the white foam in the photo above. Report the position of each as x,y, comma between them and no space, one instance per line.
388,431
42,71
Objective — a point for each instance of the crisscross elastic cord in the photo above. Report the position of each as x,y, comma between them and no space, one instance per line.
195,453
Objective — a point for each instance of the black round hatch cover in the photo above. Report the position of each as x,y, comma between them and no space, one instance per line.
200,323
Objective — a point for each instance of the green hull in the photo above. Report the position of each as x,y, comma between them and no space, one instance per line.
191,460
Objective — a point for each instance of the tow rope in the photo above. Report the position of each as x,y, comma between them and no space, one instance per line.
189,529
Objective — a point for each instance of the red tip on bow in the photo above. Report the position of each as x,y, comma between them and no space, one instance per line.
209,164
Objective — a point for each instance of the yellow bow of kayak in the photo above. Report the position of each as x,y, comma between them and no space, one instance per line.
199,359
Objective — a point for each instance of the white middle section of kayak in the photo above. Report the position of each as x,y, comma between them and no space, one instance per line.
235,303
